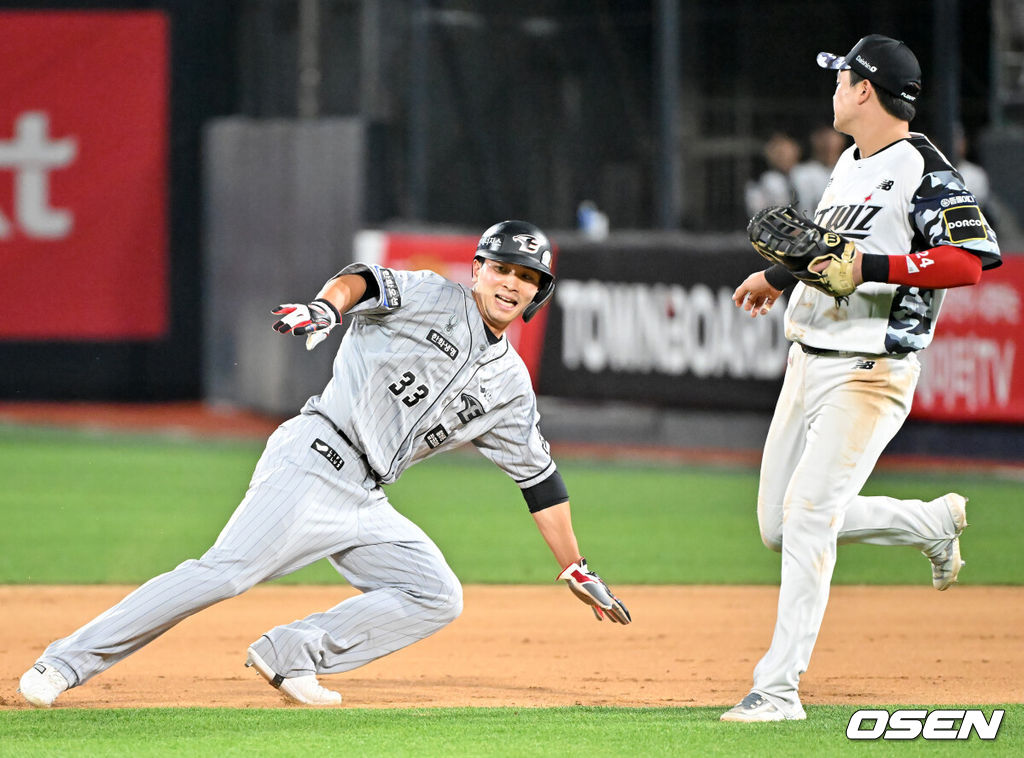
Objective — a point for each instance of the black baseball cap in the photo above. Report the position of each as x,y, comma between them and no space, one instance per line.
885,62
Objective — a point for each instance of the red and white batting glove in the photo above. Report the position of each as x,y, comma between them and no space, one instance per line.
591,589
315,320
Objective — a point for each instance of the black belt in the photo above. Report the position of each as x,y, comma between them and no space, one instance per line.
845,354
362,456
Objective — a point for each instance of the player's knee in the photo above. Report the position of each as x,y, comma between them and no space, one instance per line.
772,538
450,602
443,599
217,579
769,520
229,586
453,606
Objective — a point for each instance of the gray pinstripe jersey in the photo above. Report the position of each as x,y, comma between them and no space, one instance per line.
416,374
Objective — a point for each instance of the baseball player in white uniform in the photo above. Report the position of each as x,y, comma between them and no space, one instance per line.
852,368
424,367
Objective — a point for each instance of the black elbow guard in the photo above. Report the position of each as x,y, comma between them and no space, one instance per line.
550,492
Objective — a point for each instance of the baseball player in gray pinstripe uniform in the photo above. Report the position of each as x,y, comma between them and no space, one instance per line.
423,368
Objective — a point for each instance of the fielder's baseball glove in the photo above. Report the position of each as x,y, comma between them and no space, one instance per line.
781,235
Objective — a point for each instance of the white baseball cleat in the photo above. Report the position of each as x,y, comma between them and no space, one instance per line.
946,559
756,707
300,689
41,684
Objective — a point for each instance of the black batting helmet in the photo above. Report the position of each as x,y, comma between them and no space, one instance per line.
523,243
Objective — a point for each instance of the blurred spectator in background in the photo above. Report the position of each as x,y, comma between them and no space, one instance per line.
810,177
591,221
976,180
975,177
775,185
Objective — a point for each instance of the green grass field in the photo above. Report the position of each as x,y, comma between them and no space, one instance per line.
82,508
458,732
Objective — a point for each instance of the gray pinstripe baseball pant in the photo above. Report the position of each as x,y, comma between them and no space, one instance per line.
297,510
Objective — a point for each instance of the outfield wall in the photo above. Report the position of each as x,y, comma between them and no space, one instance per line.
642,345
650,319
100,213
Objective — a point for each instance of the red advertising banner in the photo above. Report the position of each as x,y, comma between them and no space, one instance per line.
974,368
451,256
83,175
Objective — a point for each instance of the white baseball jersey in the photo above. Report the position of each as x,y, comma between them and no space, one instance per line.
903,199
837,412
418,372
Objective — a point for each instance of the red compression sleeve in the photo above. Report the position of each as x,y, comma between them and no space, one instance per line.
941,267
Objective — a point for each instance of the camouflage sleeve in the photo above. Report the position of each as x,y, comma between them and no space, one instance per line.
945,212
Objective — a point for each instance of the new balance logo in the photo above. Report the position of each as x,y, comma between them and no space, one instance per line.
886,184
865,365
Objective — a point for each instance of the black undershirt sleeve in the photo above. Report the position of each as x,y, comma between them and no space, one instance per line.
372,290
779,277
550,492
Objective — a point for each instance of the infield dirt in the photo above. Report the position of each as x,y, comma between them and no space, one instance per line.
538,646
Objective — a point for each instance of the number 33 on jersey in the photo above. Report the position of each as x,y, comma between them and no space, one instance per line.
418,372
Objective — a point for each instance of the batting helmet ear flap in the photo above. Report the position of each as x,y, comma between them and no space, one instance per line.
543,295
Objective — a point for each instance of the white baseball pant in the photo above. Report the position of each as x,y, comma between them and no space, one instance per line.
833,419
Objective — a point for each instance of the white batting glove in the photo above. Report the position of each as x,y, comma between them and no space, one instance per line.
591,589
314,320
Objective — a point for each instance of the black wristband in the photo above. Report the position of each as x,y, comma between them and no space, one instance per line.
329,306
779,277
874,267
550,492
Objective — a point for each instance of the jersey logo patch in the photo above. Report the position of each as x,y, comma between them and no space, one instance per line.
968,199
471,408
964,223
851,221
886,184
392,295
446,347
328,452
436,436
